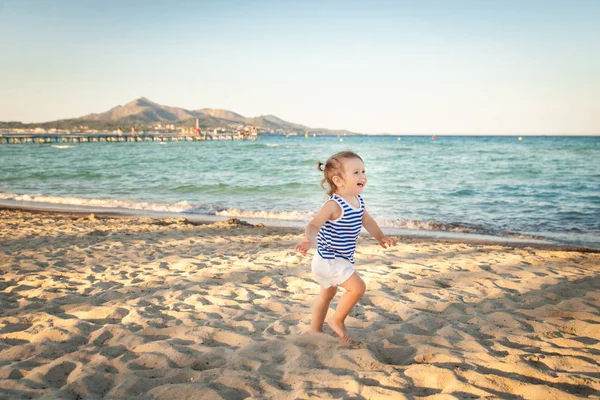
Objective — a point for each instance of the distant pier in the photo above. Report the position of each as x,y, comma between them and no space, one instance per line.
14,138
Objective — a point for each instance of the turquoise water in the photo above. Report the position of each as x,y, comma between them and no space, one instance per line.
541,187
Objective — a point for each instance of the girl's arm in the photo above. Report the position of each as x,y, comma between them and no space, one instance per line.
372,227
330,210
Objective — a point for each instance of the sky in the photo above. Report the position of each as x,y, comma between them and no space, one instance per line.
399,67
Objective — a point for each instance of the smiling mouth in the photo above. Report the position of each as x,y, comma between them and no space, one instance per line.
361,184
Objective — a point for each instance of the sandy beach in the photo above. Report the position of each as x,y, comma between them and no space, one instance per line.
140,308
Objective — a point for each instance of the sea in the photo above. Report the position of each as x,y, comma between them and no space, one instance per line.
539,188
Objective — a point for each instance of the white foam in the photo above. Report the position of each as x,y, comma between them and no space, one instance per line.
419,225
58,146
283,215
179,207
307,216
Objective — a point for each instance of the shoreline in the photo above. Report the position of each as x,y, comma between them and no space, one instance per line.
296,226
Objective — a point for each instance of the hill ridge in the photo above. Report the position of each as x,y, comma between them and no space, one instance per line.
143,112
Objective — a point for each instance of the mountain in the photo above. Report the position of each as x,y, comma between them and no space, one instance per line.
142,110
272,122
222,114
145,114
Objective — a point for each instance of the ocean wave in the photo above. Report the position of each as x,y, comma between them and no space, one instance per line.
255,145
190,188
462,192
453,227
383,222
179,207
283,215
422,225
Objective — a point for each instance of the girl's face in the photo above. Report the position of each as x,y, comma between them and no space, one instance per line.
354,180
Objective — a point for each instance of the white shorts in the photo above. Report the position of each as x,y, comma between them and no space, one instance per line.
331,272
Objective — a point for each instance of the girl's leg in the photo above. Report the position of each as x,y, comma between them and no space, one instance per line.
321,307
355,288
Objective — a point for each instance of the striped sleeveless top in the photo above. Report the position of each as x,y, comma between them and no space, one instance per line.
337,239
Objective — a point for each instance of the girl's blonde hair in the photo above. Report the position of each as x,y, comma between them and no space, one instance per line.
334,167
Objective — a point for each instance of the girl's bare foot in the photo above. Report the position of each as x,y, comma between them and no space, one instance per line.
313,331
340,329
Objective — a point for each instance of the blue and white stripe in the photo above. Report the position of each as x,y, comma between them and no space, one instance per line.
337,239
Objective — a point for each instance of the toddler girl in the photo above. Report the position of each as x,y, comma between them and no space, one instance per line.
336,228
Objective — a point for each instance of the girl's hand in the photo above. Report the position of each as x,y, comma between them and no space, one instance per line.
304,246
387,242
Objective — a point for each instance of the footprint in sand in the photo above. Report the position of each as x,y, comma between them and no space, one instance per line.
57,375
